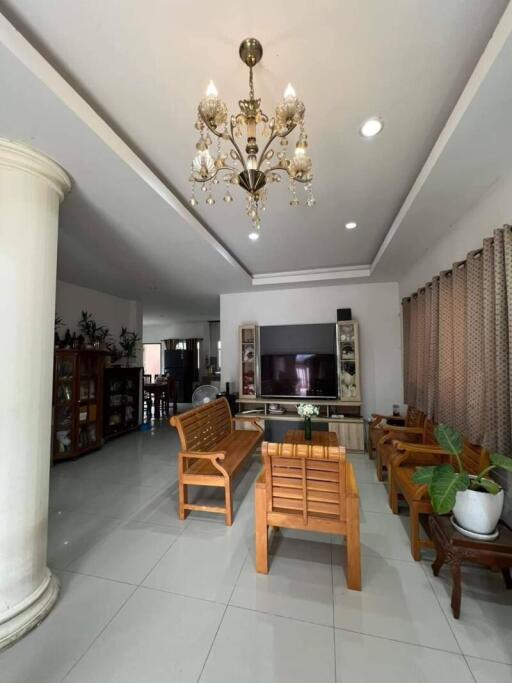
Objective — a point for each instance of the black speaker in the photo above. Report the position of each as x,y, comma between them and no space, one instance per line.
344,314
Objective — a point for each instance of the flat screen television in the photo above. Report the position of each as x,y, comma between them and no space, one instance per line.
298,361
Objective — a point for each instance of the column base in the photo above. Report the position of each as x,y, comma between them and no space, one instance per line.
31,612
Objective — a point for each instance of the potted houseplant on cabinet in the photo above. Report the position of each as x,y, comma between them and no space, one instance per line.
476,500
128,342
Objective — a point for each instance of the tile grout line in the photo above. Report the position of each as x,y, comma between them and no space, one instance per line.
136,587
222,619
128,597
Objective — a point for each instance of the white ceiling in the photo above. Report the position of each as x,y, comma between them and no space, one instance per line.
143,67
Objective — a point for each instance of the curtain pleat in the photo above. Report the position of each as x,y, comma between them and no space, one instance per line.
433,354
502,394
475,351
406,308
490,437
457,334
459,346
420,341
446,371
411,379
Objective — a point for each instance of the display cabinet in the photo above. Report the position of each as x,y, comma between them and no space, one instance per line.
77,402
122,400
248,360
349,376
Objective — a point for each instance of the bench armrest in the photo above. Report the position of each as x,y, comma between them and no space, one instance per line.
204,455
253,422
407,452
399,418
402,430
352,489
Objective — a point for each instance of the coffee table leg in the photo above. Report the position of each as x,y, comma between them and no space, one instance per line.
506,577
456,589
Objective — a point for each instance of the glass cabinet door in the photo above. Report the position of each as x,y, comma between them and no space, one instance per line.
87,409
349,361
248,360
64,398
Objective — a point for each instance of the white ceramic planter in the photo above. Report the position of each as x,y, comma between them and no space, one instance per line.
478,511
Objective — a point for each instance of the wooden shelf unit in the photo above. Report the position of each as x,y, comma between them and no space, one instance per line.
77,402
248,360
349,372
349,428
122,404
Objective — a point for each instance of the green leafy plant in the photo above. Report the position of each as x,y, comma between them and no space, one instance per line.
59,322
128,342
445,481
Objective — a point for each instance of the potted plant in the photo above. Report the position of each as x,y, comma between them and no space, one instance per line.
476,500
88,328
307,410
128,342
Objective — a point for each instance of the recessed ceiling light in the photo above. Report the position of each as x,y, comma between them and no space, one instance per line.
254,236
371,127
351,225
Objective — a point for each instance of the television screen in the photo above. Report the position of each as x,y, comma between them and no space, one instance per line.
299,375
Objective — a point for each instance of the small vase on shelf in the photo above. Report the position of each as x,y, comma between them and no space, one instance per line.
307,428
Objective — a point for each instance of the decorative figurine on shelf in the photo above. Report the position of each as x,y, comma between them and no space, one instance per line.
307,410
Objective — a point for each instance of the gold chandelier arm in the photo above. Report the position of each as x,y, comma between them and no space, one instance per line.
198,179
273,135
285,170
231,137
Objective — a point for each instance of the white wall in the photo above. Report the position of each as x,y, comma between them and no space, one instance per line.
375,306
492,211
111,311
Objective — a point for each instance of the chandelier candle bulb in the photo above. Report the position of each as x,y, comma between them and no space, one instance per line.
289,92
211,90
253,170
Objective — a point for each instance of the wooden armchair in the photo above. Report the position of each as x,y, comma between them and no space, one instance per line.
413,418
311,488
409,456
423,433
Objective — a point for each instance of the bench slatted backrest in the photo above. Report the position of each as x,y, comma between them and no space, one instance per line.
414,417
202,428
305,479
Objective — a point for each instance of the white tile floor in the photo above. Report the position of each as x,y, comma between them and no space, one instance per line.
147,598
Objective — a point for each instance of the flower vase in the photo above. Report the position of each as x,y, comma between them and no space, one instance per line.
307,428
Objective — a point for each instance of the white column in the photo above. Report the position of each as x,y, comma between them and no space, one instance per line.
31,189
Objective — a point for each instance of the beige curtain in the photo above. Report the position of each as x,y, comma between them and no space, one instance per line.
458,345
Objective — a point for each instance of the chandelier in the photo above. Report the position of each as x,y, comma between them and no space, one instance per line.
254,170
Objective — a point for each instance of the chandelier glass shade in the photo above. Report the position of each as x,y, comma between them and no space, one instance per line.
219,156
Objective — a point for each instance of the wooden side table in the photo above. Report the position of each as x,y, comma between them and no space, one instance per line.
454,548
317,438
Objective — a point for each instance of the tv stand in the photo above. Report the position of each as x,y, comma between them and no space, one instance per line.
349,428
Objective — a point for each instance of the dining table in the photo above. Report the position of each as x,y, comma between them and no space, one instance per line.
158,391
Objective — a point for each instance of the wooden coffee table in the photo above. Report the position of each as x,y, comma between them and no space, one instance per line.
317,438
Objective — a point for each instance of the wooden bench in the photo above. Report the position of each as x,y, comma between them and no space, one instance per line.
211,452
403,464
422,433
312,488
